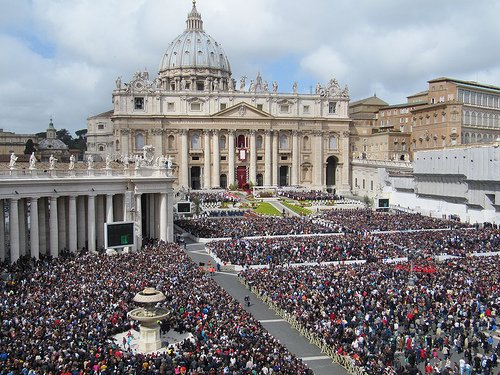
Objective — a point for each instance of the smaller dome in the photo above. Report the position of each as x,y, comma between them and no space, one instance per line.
52,144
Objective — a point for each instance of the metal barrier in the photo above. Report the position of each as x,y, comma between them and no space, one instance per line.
345,361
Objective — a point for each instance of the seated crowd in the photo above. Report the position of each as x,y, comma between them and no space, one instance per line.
212,197
366,220
309,195
373,314
353,246
58,316
251,226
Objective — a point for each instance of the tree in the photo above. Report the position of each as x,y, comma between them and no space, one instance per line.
29,147
64,136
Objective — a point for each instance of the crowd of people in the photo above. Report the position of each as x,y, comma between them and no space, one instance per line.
311,195
251,226
366,220
355,246
442,320
212,197
58,317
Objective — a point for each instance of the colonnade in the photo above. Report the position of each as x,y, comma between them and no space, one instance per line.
270,151
50,224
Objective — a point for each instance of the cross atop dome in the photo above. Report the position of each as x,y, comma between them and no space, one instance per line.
194,21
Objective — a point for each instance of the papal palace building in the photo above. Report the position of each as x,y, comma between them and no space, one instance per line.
219,131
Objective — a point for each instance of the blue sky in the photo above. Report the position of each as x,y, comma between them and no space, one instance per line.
60,58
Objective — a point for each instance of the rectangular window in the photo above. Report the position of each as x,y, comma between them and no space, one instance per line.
260,107
259,158
100,126
332,107
284,158
306,109
284,108
195,158
223,158
363,183
200,86
223,106
170,107
356,182
195,106
371,185
138,103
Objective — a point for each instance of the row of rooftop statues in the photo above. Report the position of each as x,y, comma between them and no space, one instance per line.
139,161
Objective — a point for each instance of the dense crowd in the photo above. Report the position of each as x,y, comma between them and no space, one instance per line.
58,316
309,195
354,246
212,197
373,314
367,220
251,226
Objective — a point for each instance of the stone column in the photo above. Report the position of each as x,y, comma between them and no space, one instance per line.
61,222
295,157
206,160
72,224
109,208
2,231
14,230
267,156
53,228
34,237
163,217
184,164
91,236
81,222
345,183
99,213
318,160
42,224
231,163
22,226
138,220
253,159
275,166
170,216
216,162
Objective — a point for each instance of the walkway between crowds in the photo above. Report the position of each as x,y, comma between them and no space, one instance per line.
320,363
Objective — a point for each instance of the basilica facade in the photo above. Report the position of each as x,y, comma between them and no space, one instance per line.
218,131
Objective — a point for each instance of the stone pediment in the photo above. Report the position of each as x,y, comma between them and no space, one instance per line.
243,110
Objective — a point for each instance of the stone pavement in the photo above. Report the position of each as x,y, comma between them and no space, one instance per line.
279,328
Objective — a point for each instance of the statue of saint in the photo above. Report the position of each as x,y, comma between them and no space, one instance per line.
13,159
242,83
119,83
108,161
169,162
32,161
52,162
231,84
71,162
266,86
294,87
125,161
90,162
275,87
252,86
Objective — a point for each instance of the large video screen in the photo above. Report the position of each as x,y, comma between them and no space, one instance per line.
184,207
119,234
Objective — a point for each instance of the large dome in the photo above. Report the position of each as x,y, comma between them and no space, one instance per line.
194,56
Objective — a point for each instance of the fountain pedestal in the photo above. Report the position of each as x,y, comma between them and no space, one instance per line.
149,315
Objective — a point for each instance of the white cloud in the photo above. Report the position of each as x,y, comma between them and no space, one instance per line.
63,56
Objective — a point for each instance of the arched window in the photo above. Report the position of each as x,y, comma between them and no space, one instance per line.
332,143
139,141
259,142
222,142
171,142
260,180
195,141
306,143
283,141
117,145
101,148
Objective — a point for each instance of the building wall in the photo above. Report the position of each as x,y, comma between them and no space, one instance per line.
11,142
